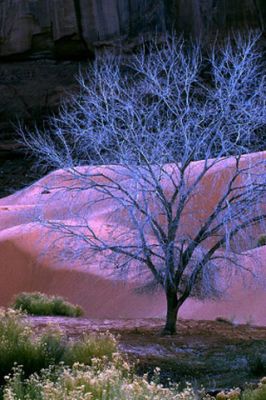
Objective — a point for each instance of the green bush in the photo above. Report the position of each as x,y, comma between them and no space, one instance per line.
40,304
19,346
261,240
257,394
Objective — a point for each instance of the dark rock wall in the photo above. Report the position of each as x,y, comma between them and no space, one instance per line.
38,36
207,16
43,27
29,91
72,28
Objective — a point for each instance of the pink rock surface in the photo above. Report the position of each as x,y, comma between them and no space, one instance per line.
28,262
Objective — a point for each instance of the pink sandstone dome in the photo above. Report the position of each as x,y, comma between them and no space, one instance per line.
29,263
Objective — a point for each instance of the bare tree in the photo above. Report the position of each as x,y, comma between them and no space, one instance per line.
142,122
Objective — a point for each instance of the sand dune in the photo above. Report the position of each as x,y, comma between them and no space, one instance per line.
28,262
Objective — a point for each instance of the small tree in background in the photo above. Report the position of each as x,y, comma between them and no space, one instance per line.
147,118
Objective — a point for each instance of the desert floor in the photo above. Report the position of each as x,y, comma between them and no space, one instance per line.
215,354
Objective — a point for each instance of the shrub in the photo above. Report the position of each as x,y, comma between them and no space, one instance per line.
258,394
19,346
108,381
261,240
40,304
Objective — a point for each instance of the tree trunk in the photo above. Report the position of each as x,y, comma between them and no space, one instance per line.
171,316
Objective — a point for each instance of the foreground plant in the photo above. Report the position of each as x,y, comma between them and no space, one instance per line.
36,303
256,394
19,345
100,381
259,393
108,380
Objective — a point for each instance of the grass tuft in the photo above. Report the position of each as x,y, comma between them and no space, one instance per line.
41,304
19,346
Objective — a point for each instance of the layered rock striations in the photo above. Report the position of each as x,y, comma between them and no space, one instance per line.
73,28
69,28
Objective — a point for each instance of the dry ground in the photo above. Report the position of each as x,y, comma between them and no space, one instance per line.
216,354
